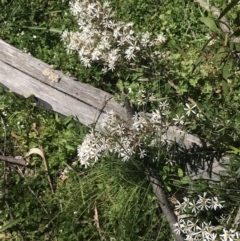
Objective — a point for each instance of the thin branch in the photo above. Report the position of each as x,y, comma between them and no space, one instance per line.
13,160
163,201
176,88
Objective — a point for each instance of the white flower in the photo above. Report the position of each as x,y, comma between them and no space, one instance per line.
129,53
145,39
95,54
180,207
156,117
120,129
189,110
104,69
125,156
215,203
163,105
203,202
179,227
193,206
86,61
106,4
178,120
142,153
169,162
160,39
228,235
193,226
212,237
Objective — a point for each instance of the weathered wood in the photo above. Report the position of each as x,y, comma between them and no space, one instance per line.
26,75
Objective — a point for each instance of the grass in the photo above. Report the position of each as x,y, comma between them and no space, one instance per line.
119,193
111,200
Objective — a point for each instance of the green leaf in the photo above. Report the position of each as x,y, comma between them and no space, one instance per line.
67,120
70,148
234,150
185,180
9,225
237,47
193,82
210,23
226,70
225,87
180,172
184,55
53,30
168,188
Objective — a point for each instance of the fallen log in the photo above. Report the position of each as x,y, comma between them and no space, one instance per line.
26,75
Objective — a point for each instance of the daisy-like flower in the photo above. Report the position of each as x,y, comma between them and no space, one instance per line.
203,229
212,237
215,203
178,120
193,206
190,109
169,162
125,156
106,4
142,153
138,125
160,39
179,227
120,130
129,53
163,105
145,39
228,235
203,202
186,202
193,226
156,117
180,207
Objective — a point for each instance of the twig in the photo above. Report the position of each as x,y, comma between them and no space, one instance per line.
163,201
5,135
102,109
176,88
13,160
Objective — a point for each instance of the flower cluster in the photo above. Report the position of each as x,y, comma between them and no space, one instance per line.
121,139
196,230
101,38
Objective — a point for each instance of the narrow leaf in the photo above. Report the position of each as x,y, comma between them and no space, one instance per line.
225,87
53,30
209,22
226,70
9,225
